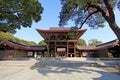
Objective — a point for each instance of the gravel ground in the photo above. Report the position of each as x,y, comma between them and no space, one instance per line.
28,70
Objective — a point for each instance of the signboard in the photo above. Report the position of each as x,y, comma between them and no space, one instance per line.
61,49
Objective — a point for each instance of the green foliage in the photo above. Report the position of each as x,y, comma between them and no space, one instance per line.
6,36
10,36
17,13
94,42
85,11
94,13
72,32
81,42
42,43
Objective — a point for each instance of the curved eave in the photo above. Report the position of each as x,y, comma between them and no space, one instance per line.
81,32
99,47
48,33
14,45
51,31
57,30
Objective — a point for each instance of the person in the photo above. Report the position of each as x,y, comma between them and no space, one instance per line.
71,55
35,55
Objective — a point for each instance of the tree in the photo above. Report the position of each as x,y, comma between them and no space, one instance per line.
81,42
94,42
42,43
92,12
11,37
17,13
72,32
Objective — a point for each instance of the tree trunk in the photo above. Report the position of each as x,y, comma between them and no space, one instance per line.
115,29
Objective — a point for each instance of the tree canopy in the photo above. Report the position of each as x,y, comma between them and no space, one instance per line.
42,43
72,32
10,36
94,13
94,42
81,42
17,13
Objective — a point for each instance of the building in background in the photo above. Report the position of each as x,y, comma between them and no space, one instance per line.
58,41
60,45
109,49
10,50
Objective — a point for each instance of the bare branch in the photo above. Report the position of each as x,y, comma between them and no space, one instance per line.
88,17
100,10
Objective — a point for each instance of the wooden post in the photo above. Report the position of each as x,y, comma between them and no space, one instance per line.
26,54
48,50
74,50
79,53
43,54
55,48
14,53
6,54
67,50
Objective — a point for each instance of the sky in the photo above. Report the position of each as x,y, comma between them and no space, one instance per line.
50,19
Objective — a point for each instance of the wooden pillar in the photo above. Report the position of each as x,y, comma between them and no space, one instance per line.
55,48
43,53
74,50
79,53
48,50
6,55
33,54
67,50
26,54
15,53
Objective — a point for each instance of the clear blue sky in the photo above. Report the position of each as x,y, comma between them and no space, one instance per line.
50,19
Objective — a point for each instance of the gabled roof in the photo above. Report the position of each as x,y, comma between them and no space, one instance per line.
99,47
46,34
16,45
108,44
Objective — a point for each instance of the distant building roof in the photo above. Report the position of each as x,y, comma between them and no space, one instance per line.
99,47
16,45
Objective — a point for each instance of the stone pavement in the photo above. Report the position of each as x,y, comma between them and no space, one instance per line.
24,70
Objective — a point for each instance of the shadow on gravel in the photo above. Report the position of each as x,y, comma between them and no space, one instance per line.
46,67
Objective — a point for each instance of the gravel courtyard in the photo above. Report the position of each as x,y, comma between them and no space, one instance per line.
28,70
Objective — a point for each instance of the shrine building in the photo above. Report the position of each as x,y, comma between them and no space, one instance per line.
58,42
